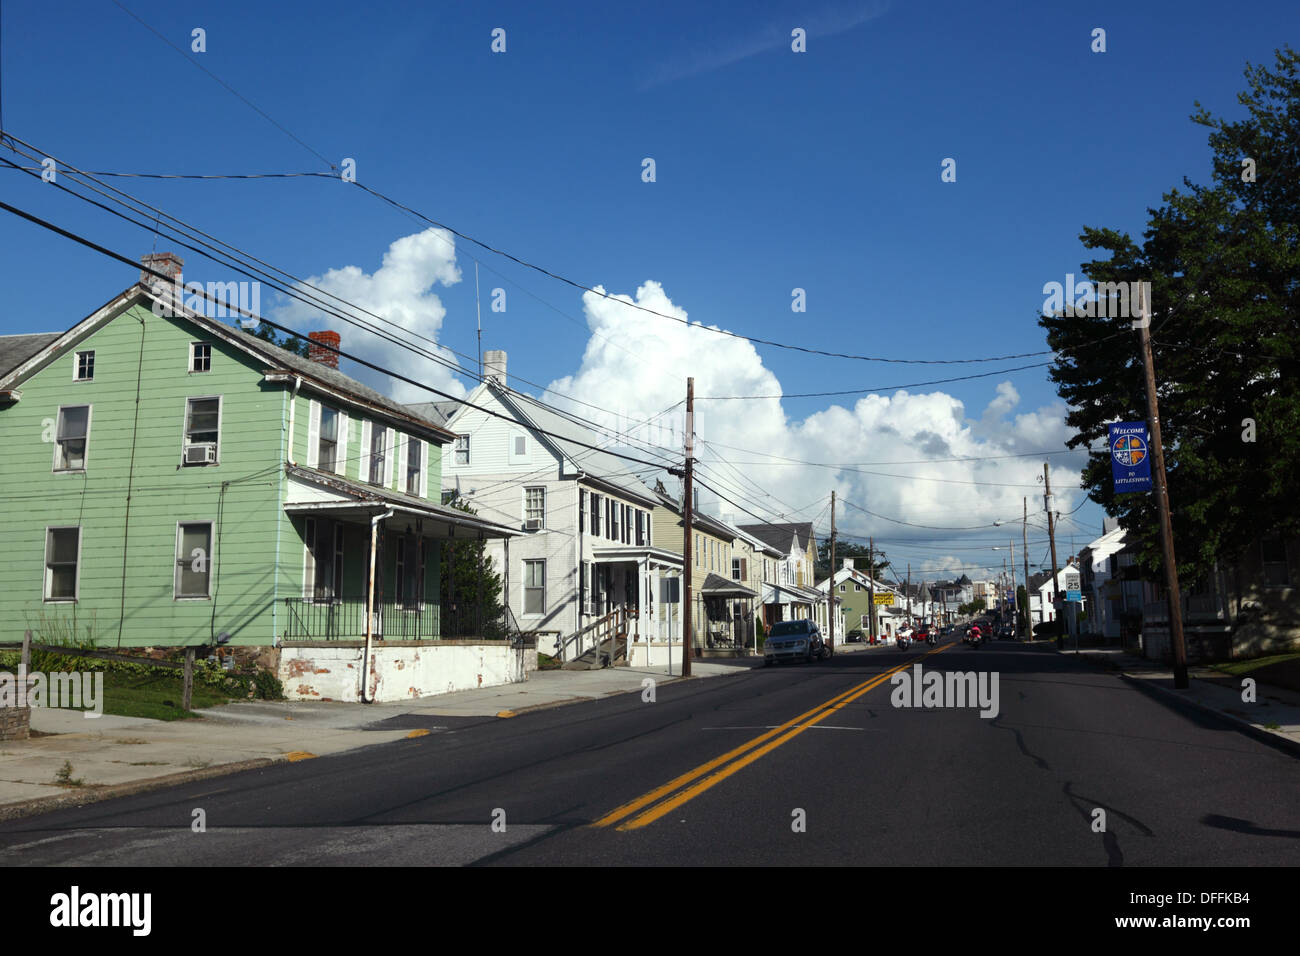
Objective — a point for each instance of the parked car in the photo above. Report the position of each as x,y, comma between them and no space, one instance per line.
794,640
855,636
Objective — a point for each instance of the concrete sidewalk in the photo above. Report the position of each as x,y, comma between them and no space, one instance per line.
114,756
1273,717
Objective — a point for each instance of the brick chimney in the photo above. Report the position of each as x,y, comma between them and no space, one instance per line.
324,356
494,366
167,263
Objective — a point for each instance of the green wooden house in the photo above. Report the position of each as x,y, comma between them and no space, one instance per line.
170,479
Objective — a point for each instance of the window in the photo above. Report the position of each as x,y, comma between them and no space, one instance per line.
202,430
534,587
1273,552
595,513
585,584
857,586
200,357
640,527
378,448
62,561
534,508
842,588
328,440
323,565
613,524
85,370
413,465
582,510
193,559
74,432
462,449
521,445
735,569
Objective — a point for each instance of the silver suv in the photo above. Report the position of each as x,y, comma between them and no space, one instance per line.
794,640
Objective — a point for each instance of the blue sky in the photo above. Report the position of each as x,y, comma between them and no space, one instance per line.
774,170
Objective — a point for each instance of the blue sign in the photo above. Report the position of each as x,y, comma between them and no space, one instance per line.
1130,456
1074,596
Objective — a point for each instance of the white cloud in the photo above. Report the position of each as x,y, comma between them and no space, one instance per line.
635,365
400,290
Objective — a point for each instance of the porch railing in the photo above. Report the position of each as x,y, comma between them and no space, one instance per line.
344,619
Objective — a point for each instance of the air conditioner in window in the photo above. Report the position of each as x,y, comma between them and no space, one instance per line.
533,524
204,454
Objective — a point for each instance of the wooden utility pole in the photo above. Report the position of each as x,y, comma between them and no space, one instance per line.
1015,593
1051,539
1024,547
871,587
909,593
1162,495
830,584
688,553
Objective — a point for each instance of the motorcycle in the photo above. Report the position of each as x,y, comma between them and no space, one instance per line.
904,643
973,638
932,639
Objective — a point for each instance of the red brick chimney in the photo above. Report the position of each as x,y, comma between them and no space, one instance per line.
168,263
324,355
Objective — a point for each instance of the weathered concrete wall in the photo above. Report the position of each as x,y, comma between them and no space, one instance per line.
653,654
397,671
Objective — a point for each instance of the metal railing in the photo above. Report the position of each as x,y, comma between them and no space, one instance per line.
344,619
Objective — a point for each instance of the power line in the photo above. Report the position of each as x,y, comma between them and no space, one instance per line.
90,244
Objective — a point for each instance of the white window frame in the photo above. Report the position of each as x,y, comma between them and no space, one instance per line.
457,450
541,489
194,348
185,425
47,577
58,443
76,366
418,445
211,560
527,587
370,449
340,424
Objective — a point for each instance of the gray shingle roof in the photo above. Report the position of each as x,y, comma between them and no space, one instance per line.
572,439
17,349
439,412
781,535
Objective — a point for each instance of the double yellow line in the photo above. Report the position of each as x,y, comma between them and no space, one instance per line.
689,785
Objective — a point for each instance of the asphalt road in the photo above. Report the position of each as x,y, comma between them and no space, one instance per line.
800,764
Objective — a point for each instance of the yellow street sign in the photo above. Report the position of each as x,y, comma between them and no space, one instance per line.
884,599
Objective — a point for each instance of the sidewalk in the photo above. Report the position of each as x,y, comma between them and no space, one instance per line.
1273,717
116,756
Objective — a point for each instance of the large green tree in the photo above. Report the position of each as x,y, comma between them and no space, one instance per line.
1224,263
865,559
471,589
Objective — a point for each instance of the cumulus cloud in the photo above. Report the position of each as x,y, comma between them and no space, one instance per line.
635,365
400,290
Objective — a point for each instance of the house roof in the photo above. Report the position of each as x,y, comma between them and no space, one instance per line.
34,352
17,349
365,494
699,520
716,584
439,412
781,536
571,439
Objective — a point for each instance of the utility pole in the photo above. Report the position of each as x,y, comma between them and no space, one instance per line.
830,583
909,593
688,506
1024,547
1015,594
1051,538
1162,495
478,318
871,587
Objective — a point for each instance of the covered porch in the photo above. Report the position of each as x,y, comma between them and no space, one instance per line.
641,581
726,610
381,566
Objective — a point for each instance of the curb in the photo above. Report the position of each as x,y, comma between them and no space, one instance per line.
82,797
1265,736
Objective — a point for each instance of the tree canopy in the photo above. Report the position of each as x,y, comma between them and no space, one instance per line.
1224,264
